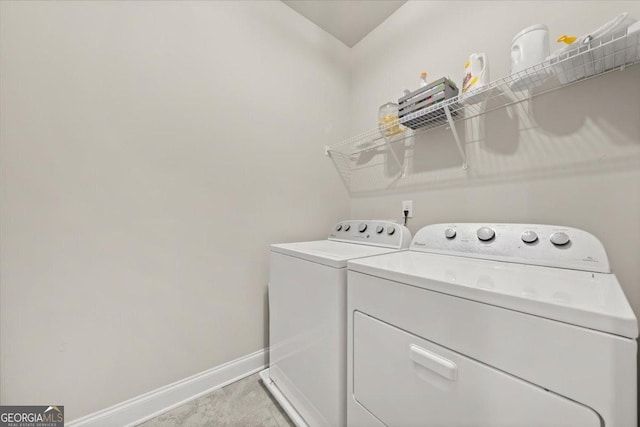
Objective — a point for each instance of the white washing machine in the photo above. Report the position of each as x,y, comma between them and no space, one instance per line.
491,325
308,321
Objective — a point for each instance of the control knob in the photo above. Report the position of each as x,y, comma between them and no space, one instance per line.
449,233
529,236
485,234
379,229
362,227
390,230
559,238
347,227
338,227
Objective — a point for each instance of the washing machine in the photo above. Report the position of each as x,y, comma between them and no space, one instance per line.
308,321
491,325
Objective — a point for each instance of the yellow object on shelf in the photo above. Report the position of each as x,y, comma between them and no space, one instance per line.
389,125
566,39
388,120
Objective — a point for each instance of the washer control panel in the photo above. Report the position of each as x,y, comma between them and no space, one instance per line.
548,245
383,233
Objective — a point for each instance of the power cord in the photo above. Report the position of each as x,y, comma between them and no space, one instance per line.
406,215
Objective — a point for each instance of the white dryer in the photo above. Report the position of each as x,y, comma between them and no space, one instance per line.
307,317
491,325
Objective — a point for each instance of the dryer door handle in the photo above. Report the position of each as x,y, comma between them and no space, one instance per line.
438,364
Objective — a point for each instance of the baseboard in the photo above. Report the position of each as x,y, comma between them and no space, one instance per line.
282,400
149,405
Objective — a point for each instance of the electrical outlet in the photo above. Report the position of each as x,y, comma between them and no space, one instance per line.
407,205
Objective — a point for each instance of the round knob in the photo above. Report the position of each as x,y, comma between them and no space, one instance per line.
379,229
559,239
347,227
485,234
338,227
449,233
529,236
362,227
391,230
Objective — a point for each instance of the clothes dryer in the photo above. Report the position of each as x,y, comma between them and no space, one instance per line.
491,325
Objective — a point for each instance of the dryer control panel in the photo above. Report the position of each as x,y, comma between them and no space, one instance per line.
535,244
384,233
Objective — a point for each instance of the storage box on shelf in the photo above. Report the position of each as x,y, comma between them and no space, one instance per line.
430,95
577,63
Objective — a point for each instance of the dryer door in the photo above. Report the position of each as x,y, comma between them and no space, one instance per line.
404,380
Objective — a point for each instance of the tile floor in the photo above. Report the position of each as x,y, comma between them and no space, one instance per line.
245,403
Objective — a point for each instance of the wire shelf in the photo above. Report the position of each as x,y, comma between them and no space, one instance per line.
354,157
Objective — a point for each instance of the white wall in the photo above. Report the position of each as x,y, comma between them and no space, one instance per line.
571,157
150,152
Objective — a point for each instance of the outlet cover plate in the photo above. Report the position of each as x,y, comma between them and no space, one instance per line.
407,205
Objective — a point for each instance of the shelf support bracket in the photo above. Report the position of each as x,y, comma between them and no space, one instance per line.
393,153
454,131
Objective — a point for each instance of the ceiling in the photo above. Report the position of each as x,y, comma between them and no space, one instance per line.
347,20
